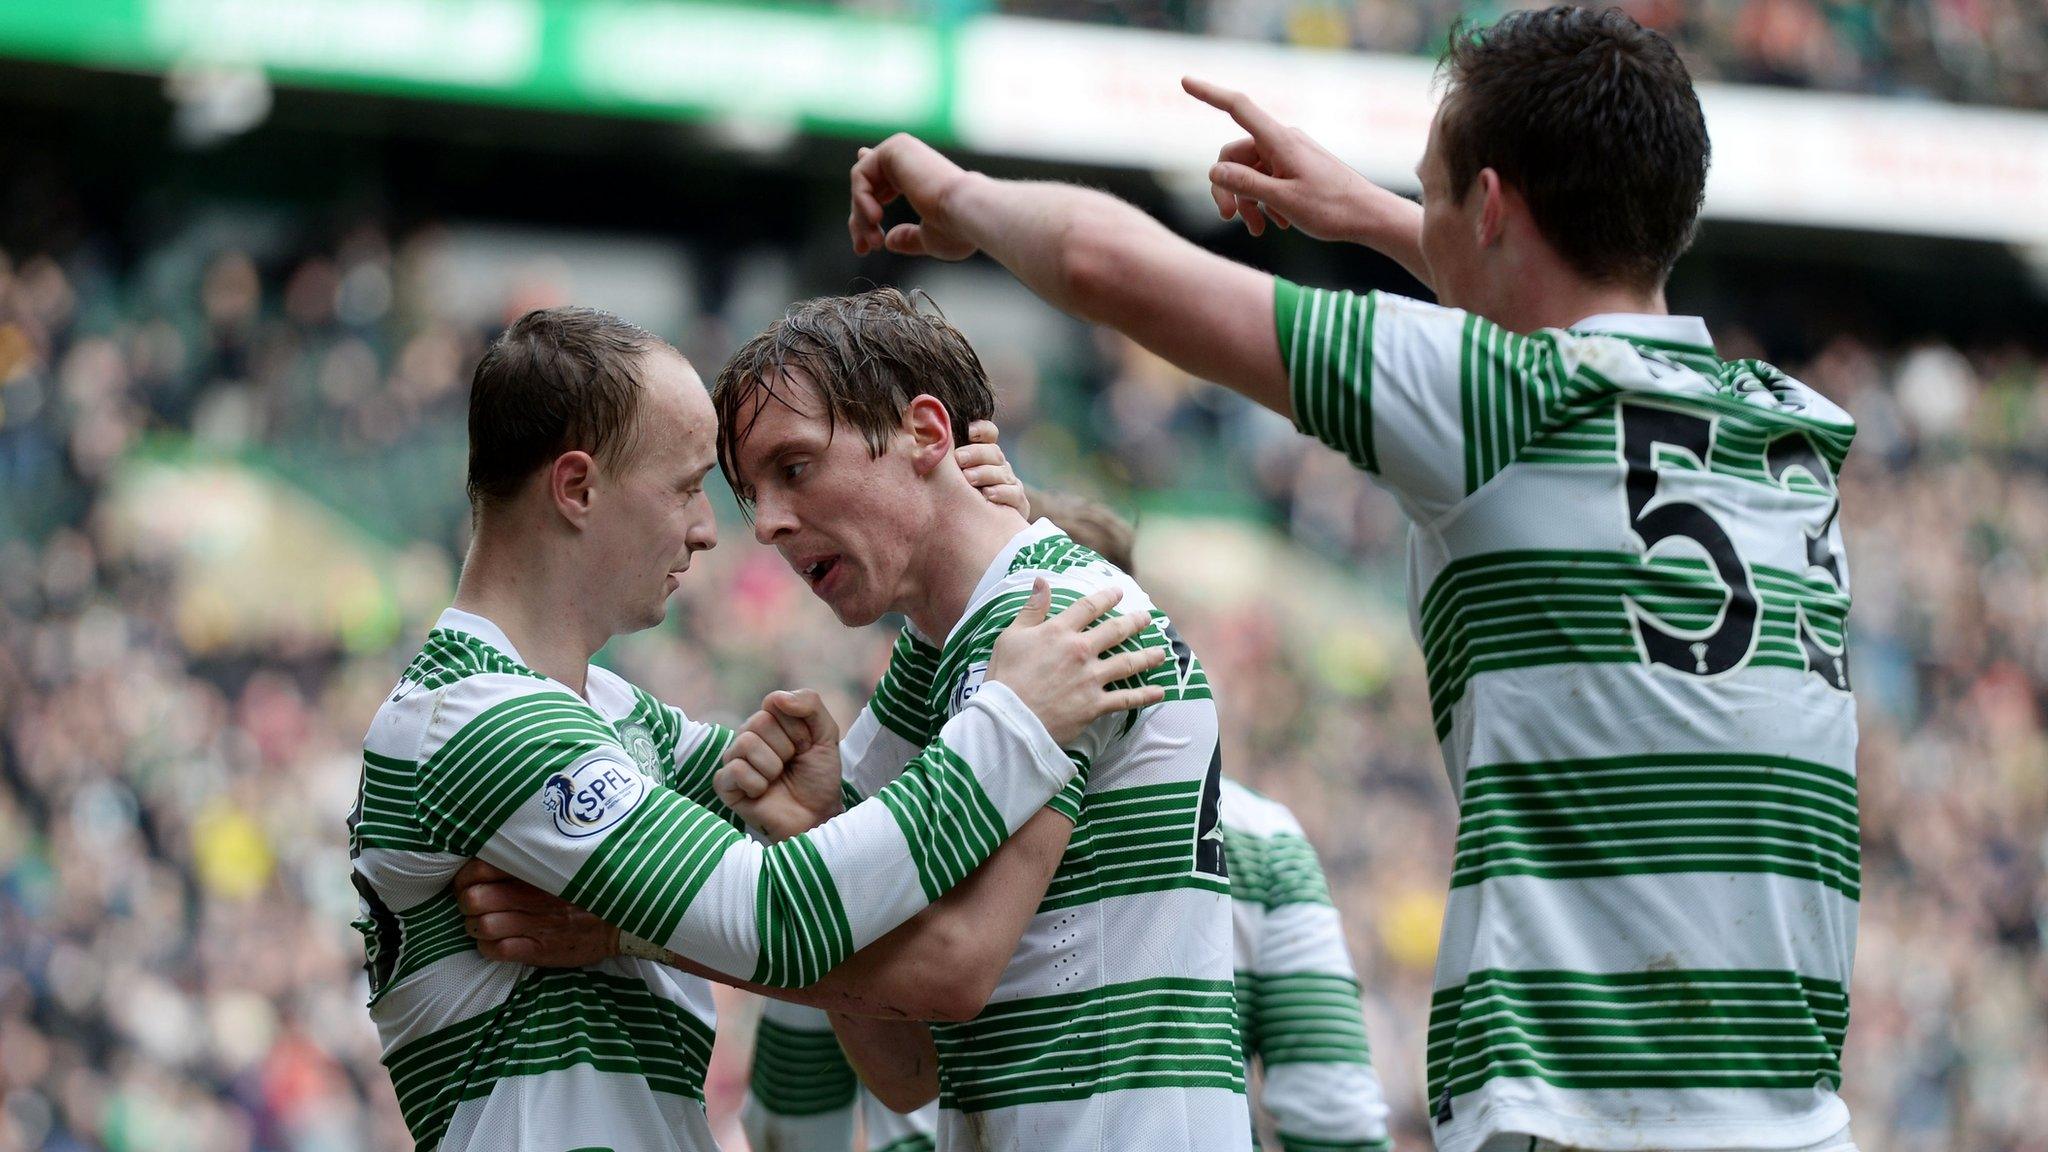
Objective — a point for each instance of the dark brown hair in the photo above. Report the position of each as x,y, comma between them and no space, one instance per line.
1089,523
558,380
868,356
1593,118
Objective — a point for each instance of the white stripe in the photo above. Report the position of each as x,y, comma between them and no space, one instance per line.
1684,920
1138,1120
1644,1121
578,1107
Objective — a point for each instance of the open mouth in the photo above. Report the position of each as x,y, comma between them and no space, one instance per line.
818,570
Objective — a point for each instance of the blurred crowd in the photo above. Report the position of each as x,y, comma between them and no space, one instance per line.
1975,51
177,973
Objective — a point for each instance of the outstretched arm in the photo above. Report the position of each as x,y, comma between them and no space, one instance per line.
1086,253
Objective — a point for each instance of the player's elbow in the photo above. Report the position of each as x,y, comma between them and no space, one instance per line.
1094,263
905,1094
959,988
960,995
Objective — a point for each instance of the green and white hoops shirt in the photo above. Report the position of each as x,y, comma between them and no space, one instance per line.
802,1095
1298,1014
607,802
1629,586
1115,1025
1297,994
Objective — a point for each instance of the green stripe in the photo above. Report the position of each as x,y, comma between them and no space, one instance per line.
902,701
804,931
1743,436
1308,1018
551,1021
1521,608
974,639
1655,1030
917,1143
499,760
1132,840
949,822
1326,339
1273,871
388,818
649,868
449,656
1055,554
800,1072
1661,813
429,931
1294,1142
1169,1032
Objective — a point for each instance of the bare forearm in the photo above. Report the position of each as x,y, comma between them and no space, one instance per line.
897,1060
1392,226
1104,261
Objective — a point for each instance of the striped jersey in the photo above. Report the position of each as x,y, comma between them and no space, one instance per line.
1629,586
1115,1024
802,1095
606,801
1297,996
1298,1014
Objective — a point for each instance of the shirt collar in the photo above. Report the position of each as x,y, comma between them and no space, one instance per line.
998,568
456,620
1687,333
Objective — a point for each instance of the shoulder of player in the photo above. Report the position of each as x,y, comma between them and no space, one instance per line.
1246,811
998,607
1069,583
510,709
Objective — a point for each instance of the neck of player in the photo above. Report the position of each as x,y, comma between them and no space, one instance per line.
1544,291
966,534
539,597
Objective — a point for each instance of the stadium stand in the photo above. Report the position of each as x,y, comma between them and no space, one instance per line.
1995,52
176,970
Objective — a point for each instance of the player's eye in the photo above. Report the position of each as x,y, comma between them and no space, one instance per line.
794,469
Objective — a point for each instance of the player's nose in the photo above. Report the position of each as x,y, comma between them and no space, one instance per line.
772,519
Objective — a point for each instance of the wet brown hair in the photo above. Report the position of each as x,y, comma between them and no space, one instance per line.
867,355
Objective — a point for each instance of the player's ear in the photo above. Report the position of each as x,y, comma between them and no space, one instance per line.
1493,206
570,480
931,433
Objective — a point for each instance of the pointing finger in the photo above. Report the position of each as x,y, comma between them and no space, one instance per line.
1249,116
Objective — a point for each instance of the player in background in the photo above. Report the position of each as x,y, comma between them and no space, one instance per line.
589,444
1297,995
1625,571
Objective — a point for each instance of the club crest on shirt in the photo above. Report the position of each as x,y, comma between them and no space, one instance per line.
591,797
639,744
970,683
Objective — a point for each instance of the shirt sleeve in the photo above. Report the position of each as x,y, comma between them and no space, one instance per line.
896,724
800,1095
534,782
1433,402
1307,1026
698,749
